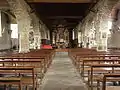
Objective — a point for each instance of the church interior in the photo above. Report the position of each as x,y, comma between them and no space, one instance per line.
59,45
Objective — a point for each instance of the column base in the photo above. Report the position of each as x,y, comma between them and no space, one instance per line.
24,51
114,48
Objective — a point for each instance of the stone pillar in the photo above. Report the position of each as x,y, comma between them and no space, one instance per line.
37,41
70,39
0,24
48,35
105,12
51,37
86,32
36,28
76,37
43,32
101,25
23,35
20,9
115,35
103,30
114,6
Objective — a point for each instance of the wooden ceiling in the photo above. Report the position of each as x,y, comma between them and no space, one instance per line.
61,1
55,12
67,14
3,4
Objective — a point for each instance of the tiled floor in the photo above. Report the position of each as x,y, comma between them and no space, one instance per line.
62,75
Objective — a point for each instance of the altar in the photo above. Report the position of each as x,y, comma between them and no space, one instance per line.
61,37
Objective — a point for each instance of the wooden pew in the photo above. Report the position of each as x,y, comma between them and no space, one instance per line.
37,62
80,61
47,54
19,59
78,58
94,57
102,66
108,78
25,62
11,80
75,55
77,50
89,62
72,52
21,80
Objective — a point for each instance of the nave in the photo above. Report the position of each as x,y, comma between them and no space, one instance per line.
58,75
72,69
62,75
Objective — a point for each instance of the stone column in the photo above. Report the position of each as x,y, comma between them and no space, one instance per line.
48,35
103,30
23,35
86,32
20,9
102,25
70,39
115,35
37,41
36,28
114,7
45,33
76,37
0,24
53,37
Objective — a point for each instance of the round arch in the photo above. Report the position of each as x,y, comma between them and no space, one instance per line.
115,11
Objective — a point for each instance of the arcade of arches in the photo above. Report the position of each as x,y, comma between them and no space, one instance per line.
100,32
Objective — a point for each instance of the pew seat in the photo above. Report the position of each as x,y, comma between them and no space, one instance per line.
39,60
11,80
113,88
108,78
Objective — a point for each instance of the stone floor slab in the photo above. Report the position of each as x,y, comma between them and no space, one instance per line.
62,75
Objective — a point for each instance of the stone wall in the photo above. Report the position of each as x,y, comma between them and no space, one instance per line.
95,28
5,38
25,20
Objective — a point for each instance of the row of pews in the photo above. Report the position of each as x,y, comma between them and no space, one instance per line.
99,69
24,70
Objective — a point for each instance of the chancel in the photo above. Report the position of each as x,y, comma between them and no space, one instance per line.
62,38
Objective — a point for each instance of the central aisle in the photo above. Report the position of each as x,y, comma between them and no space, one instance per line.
62,75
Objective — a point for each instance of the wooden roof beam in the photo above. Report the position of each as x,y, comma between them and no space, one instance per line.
64,17
61,1
3,4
